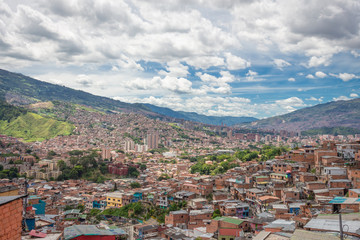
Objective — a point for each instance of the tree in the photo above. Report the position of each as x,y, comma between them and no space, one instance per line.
135,185
81,207
61,165
51,154
142,167
100,179
163,176
216,213
1,167
133,172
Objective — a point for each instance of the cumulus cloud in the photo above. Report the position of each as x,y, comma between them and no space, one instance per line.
354,95
320,99
318,61
345,76
252,76
280,63
216,84
355,53
204,62
235,62
310,76
291,103
340,98
170,83
84,80
126,43
175,69
221,106
320,74
291,79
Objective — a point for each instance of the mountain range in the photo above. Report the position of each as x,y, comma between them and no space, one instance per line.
18,89
326,116
22,90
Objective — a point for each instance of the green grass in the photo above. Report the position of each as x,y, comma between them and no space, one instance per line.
33,127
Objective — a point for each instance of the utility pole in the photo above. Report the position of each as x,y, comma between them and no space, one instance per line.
341,227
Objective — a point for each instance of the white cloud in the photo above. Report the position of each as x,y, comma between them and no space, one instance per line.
354,95
118,46
345,76
291,79
355,53
318,61
204,62
280,63
320,74
170,83
252,76
340,98
216,84
320,99
293,101
310,76
221,106
175,69
234,62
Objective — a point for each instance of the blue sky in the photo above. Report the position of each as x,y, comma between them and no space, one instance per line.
217,57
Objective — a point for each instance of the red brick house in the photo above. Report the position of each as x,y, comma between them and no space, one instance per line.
11,208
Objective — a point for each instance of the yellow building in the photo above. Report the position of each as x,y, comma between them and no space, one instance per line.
114,200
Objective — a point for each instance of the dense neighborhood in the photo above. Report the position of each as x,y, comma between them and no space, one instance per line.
194,190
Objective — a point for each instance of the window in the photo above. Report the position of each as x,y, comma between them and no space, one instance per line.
223,239
231,239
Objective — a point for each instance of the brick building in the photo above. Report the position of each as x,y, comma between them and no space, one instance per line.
199,218
178,218
11,208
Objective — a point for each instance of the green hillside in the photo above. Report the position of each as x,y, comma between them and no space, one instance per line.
33,127
20,89
8,112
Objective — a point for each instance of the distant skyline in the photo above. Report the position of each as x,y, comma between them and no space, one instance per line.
257,58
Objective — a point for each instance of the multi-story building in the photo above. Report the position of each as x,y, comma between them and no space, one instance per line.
146,231
152,140
114,200
178,219
199,218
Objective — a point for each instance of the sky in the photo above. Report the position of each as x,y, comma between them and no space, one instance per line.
257,58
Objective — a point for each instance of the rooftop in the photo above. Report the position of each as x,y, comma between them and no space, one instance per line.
333,225
229,220
90,230
6,199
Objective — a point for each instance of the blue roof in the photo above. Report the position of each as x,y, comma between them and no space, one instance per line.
338,200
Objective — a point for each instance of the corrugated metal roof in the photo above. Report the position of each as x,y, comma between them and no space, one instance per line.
6,199
333,225
86,230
